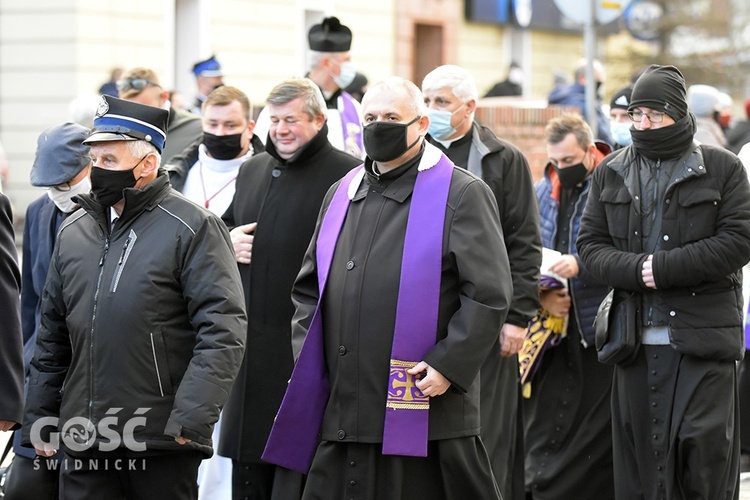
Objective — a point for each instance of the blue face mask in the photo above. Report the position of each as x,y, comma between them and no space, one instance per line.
440,123
621,133
346,76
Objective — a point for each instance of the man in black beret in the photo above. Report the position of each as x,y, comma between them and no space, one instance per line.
332,70
668,220
142,324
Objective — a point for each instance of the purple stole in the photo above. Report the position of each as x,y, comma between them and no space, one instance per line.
351,125
295,433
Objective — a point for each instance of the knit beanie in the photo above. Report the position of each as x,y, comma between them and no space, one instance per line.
702,99
621,98
661,88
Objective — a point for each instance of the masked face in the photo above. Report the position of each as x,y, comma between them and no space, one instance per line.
386,141
346,75
440,123
63,198
108,185
570,160
226,130
621,133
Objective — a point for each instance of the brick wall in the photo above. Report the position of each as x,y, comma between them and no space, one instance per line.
521,122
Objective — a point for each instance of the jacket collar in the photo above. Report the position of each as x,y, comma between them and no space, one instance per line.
624,162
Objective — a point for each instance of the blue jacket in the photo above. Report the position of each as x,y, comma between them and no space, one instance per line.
586,291
575,95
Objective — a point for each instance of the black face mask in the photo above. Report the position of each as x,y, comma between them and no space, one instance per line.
108,185
572,176
386,141
223,147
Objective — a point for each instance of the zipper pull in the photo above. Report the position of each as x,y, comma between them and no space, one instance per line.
124,249
106,248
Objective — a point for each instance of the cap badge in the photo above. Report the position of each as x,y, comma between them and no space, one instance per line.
103,107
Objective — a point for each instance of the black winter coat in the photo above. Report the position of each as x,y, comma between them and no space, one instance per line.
705,241
149,317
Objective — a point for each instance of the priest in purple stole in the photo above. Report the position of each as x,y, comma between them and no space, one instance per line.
399,299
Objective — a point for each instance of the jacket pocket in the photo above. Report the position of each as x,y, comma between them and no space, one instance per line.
159,353
123,259
698,211
616,203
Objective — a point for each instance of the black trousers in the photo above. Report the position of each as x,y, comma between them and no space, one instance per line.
33,479
265,481
169,476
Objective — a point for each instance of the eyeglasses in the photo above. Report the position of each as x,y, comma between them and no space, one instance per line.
653,116
63,188
134,84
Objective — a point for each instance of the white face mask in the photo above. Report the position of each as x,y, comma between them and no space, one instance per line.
62,199
346,75
516,76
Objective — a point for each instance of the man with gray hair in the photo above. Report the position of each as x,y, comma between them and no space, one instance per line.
273,218
451,98
143,323
332,70
400,297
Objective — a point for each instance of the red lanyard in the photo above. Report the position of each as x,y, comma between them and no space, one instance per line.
203,186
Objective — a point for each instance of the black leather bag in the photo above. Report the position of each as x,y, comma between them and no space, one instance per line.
617,328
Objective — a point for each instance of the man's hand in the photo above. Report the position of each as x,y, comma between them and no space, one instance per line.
647,272
511,339
182,440
6,425
556,302
242,241
46,451
433,383
566,266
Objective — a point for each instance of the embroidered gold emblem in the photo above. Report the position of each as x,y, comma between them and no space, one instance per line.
403,393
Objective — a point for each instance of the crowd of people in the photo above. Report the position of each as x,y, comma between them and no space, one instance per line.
374,299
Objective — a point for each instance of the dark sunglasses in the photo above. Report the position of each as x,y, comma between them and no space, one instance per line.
134,84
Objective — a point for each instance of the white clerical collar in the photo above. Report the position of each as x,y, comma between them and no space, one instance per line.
447,144
221,166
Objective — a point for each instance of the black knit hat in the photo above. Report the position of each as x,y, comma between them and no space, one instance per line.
330,36
621,98
661,88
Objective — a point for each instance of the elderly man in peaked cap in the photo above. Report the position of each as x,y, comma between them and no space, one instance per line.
143,324
668,221
332,70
